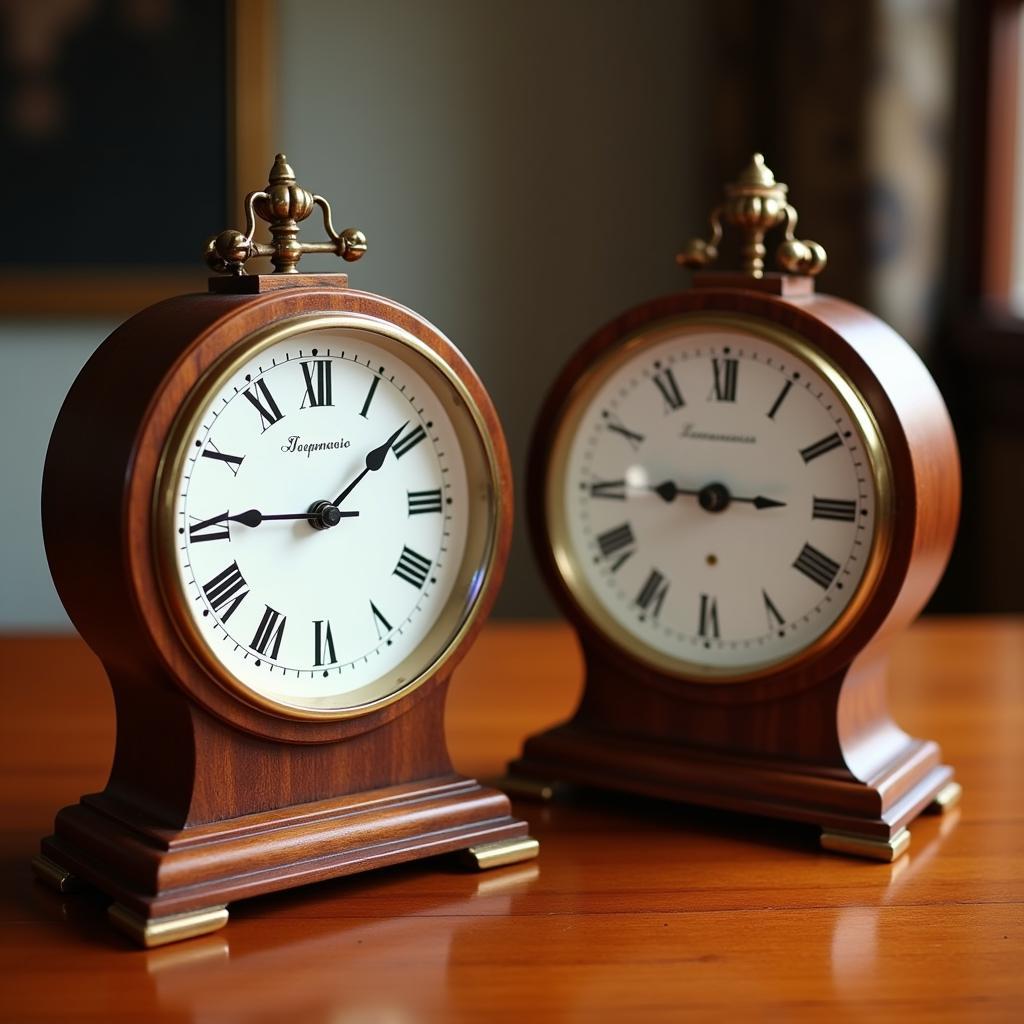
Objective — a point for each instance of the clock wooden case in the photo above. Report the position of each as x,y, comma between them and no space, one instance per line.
236,772
737,697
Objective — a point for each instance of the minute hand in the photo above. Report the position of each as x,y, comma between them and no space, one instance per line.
254,517
374,460
761,502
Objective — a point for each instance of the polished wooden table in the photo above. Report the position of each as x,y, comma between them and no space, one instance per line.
635,910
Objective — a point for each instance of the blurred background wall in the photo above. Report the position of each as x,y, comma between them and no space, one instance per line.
523,172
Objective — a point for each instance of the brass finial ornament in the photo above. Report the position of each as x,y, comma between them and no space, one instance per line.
755,203
282,204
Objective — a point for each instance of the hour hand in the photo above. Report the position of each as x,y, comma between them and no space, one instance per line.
375,459
668,491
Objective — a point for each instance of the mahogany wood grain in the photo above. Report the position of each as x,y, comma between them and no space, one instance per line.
812,740
636,910
188,753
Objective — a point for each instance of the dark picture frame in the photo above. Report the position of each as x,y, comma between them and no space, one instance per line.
115,132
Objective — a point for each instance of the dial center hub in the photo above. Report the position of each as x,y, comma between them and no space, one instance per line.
714,498
323,515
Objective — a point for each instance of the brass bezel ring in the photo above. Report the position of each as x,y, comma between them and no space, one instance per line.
555,513
475,571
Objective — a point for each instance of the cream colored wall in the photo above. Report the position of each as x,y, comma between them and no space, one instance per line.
523,171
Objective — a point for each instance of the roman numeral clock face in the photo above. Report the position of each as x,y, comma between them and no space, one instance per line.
713,498
323,524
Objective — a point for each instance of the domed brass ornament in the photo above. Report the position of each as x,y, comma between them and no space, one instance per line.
756,203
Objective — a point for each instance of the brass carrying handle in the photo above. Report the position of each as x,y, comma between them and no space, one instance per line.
283,204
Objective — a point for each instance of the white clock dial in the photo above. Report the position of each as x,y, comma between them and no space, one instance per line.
339,607
713,498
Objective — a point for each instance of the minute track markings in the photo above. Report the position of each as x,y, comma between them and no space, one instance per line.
381,645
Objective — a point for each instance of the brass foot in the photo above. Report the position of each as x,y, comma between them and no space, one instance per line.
53,875
158,931
500,853
530,789
870,847
946,799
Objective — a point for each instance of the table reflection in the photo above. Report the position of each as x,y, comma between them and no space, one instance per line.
297,965
855,941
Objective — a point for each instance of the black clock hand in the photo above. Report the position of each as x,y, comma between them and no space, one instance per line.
713,497
761,502
667,491
374,460
254,517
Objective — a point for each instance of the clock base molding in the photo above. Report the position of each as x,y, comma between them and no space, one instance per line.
170,884
863,818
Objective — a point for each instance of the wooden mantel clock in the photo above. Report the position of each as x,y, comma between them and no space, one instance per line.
279,514
740,495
